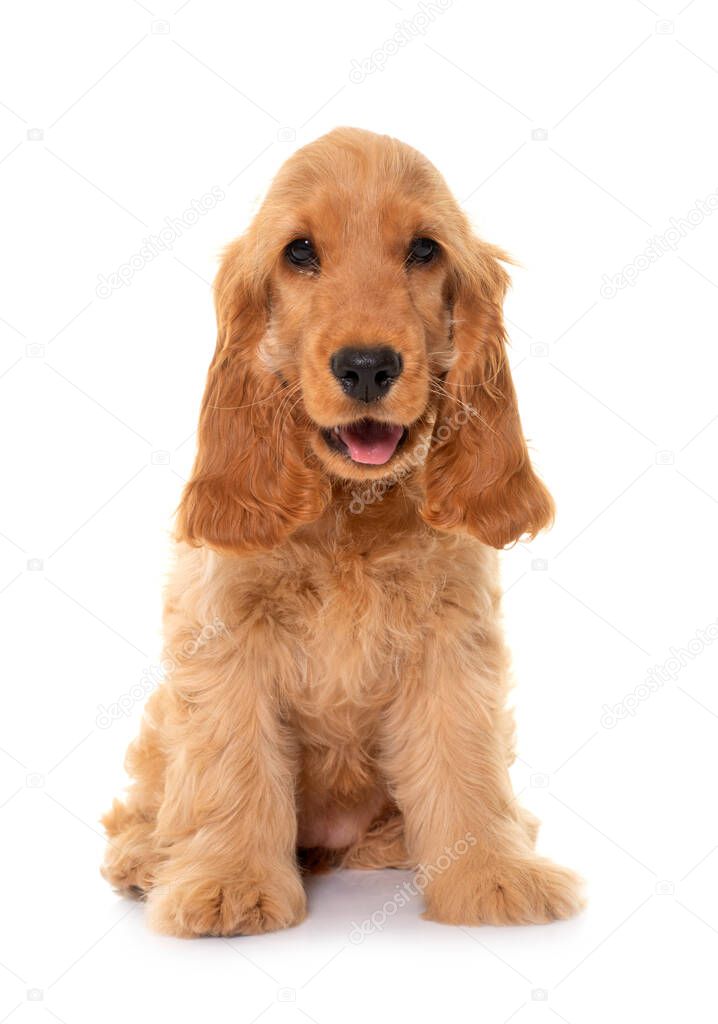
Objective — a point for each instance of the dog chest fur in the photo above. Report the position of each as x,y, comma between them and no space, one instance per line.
287,611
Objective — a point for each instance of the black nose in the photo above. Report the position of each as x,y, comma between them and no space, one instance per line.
366,373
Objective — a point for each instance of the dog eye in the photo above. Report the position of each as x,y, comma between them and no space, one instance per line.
301,253
422,250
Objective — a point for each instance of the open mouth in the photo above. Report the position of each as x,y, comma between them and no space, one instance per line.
368,442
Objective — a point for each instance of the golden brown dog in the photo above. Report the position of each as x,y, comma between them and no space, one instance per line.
337,674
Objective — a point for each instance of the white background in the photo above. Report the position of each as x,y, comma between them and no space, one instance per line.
144,111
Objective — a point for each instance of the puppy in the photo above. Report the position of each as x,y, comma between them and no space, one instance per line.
337,674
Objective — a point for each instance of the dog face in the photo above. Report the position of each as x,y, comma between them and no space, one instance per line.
359,318
360,337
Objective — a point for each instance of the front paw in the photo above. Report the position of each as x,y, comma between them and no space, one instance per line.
518,890
204,907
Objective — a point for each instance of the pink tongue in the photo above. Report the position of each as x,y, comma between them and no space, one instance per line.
371,443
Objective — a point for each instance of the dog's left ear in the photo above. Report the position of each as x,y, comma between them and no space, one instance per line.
478,475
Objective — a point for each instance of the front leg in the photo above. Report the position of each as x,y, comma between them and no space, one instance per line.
227,824
446,759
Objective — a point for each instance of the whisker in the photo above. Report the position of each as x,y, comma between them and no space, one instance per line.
258,401
286,408
483,383
287,397
439,389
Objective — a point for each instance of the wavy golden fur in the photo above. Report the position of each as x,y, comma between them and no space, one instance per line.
338,676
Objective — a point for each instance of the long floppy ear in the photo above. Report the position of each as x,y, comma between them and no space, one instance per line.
478,474
252,483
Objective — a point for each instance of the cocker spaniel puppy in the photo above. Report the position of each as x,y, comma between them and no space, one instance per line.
336,673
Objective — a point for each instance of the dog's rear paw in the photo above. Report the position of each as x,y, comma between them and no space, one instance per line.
521,891
131,858
202,907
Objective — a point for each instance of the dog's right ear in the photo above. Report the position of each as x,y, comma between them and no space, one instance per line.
251,484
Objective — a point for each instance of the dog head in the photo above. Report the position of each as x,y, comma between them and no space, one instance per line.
360,337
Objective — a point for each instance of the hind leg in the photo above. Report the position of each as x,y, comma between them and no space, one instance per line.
132,857
382,847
